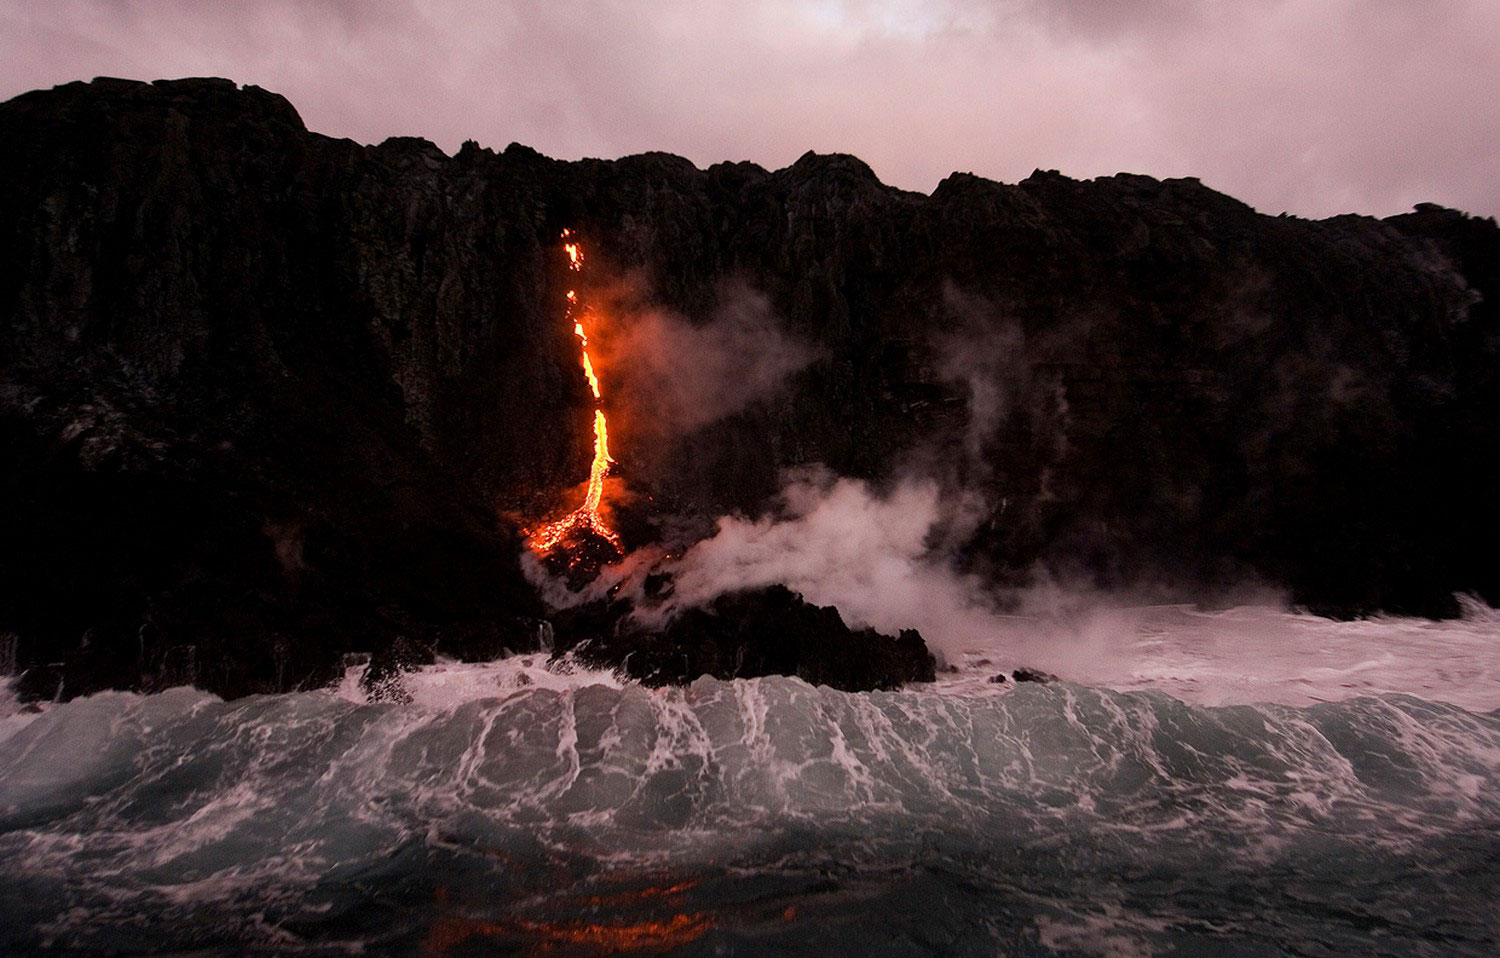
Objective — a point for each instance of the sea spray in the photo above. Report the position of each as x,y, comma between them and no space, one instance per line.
752,815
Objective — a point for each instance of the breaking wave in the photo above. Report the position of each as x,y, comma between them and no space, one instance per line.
578,815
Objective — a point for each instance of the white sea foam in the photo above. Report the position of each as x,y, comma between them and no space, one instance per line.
1245,655
1328,741
449,684
126,805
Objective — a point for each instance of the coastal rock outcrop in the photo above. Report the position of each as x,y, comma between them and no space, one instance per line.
746,634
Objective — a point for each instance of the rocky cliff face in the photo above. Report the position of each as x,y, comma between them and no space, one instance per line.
268,397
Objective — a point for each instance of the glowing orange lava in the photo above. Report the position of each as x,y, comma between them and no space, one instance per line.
586,517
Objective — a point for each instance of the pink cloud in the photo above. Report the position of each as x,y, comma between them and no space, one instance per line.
1310,106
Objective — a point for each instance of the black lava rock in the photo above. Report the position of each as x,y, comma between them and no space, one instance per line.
382,677
1033,675
747,634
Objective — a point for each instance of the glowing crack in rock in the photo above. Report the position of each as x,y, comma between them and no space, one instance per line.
586,518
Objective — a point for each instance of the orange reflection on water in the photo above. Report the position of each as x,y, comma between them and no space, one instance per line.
639,895
449,931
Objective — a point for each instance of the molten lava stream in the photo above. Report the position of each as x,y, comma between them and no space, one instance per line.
585,520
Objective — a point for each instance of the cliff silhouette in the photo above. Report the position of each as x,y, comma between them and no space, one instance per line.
268,397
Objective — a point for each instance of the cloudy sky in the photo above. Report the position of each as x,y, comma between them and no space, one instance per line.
1310,106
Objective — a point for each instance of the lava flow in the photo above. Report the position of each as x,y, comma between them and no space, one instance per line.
573,529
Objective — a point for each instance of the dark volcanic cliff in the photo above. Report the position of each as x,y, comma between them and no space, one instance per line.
267,396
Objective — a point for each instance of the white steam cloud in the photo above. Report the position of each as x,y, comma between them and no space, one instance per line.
882,559
838,542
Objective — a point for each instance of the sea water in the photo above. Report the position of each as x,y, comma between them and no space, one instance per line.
1246,782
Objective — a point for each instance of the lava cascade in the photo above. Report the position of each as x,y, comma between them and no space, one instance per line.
585,522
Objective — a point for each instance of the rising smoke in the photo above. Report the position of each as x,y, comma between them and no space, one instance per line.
676,375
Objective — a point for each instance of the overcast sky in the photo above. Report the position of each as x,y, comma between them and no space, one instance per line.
1310,106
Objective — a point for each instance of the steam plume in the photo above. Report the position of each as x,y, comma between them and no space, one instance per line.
681,375
840,543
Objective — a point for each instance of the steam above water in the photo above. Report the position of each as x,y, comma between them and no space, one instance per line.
885,554
839,543
878,558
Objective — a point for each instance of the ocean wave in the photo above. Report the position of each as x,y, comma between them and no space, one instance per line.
259,820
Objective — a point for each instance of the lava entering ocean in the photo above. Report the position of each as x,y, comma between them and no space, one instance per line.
581,530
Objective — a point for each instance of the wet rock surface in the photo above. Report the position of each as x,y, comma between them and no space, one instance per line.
269,397
746,634
1032,675
381,680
